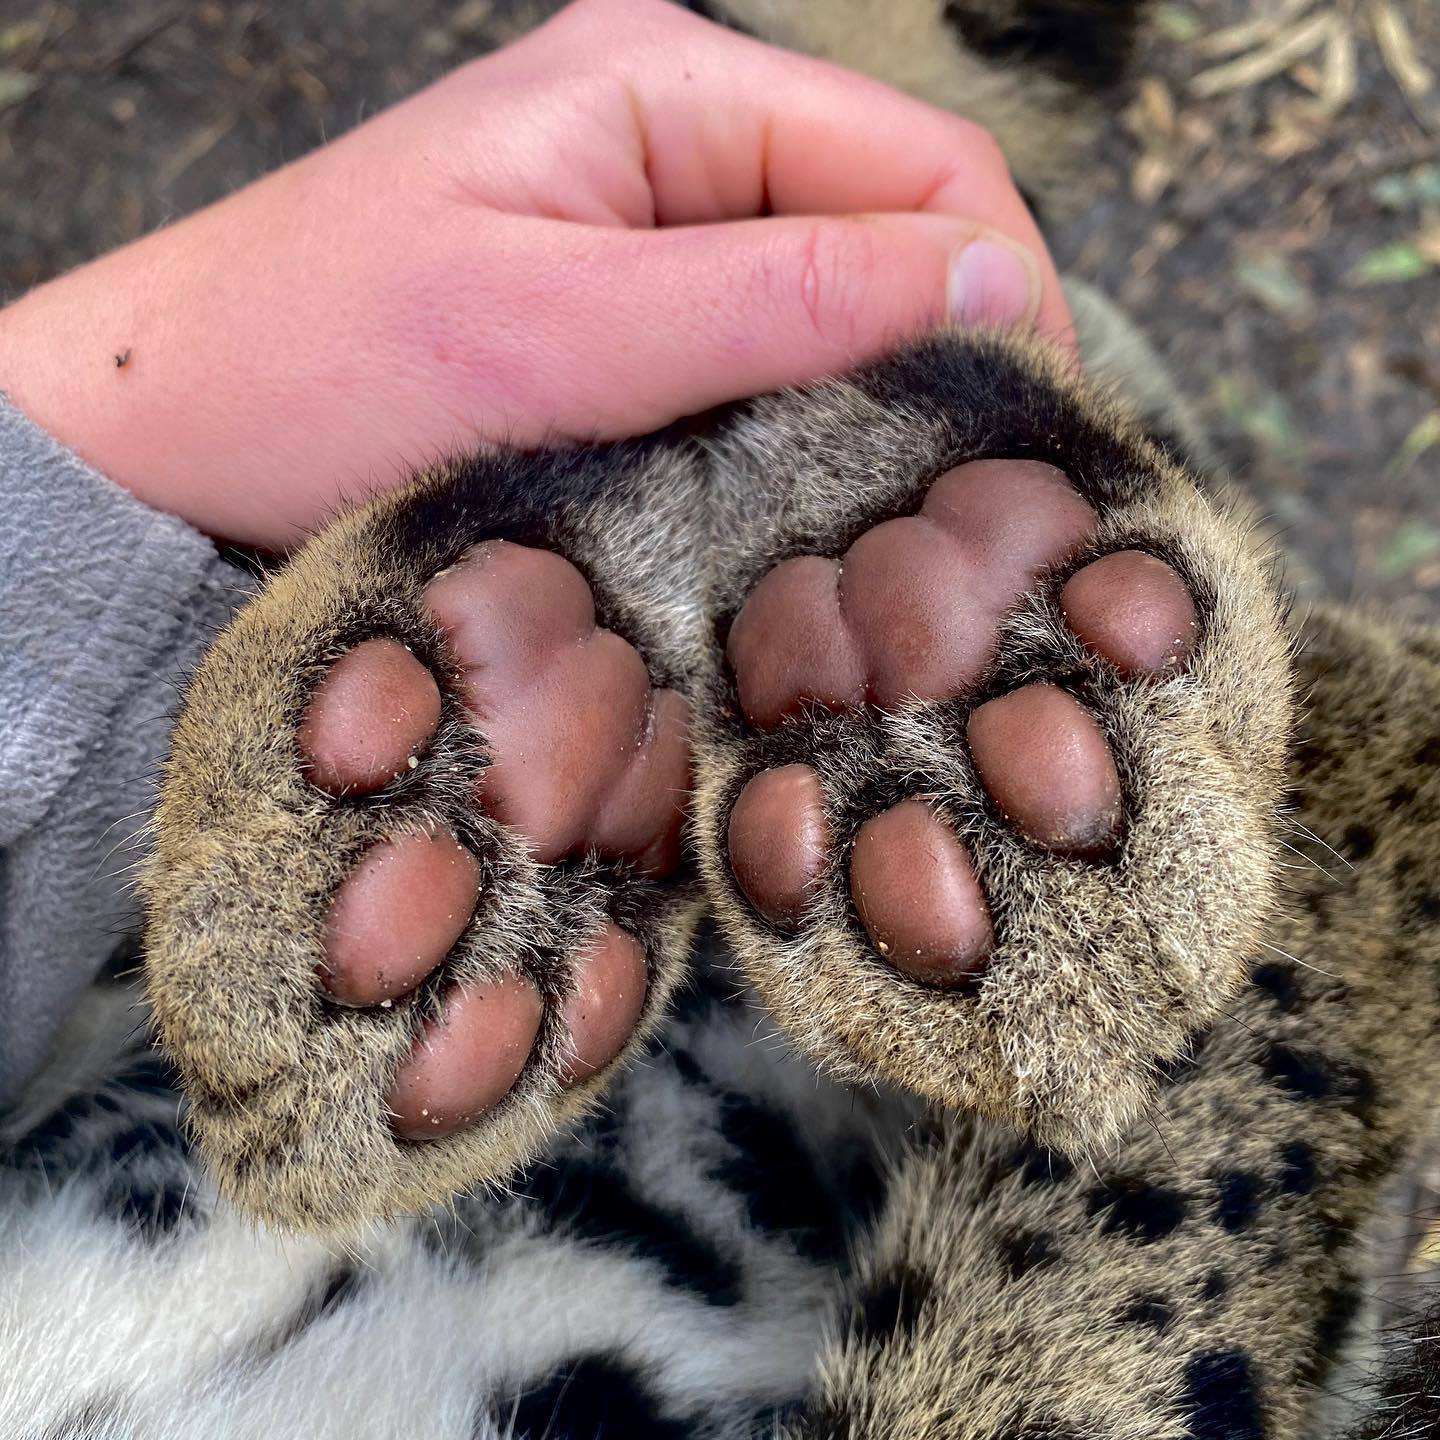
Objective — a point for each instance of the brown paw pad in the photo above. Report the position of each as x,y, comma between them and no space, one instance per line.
912,609
1134,610
779,841
1048,768
586,755
468,1059
916,893
375,709
611,980
397,915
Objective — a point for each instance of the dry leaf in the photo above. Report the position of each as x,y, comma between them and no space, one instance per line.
1425,436
1397,49
1151,177
1337,88
1427,242
1275,283
1292,131
1235,38
1273,59
22,32
15,86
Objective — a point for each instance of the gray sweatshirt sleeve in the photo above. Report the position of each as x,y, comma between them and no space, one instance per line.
105,604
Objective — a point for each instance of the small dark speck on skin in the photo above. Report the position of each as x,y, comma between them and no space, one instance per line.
123,358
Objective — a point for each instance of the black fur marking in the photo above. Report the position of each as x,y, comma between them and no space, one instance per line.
529,498
597,1397
1152,1311
1216,1286
338,1289
687,1067
829,1419
1308,1075
151,1211
1335,1233
43,1145
1144,1213
1409,1384
1240,1193
1303,1074
144,1139
703,995
344,1284
601,1207
148,1074
1427,756
125,962
1339,1306
1424,910
1297,1169
784,1190
982,378
90,1418
60,1142
1221,1399
1357,1088
1044,1167
1027,1250
1358,842
1278,982
1087,42
890,1305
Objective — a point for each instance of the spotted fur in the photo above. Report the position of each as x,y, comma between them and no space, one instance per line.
725,1243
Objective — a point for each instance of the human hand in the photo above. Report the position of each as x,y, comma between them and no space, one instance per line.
628,216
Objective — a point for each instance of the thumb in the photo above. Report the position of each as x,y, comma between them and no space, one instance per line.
715,313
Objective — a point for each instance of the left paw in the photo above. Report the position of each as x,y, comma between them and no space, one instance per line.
417,891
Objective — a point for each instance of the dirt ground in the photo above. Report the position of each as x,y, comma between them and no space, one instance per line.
1268,205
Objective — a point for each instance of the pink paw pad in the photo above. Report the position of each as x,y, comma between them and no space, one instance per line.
467,1060
916,893
1134,610
779,841
396,916
912,609
1048,768
372,713
586,758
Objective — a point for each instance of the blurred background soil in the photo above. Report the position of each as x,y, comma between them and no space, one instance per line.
1267,205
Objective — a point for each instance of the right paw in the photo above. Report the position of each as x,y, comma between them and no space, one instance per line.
994,744
416,887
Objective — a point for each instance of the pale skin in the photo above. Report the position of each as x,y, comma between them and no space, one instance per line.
629,216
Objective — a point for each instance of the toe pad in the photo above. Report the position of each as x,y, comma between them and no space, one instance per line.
917,895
